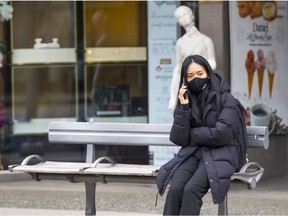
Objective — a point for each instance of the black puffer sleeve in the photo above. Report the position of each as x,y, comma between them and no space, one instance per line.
180,130
222,133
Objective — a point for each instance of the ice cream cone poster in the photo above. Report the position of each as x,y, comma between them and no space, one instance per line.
271,69
259,64
250,65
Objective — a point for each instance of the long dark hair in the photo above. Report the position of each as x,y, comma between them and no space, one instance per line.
197,102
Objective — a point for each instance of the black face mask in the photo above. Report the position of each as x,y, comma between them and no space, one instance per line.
197,85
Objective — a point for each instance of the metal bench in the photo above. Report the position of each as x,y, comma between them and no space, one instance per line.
93,171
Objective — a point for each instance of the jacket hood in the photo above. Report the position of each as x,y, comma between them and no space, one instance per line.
224,86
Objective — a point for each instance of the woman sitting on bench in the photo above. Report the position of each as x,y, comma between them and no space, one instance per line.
209,125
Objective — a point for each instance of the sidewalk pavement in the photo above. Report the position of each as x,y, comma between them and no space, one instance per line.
51,212
27,197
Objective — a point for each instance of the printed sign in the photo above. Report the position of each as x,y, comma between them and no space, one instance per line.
259,50
162,36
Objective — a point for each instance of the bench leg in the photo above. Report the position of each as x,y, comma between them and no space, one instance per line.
90,189
223,207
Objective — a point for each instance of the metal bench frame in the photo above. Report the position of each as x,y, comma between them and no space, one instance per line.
93,171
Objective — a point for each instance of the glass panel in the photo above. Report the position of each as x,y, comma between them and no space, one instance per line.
43,19
2,61
115,24
43,93
116,68
116,77
116,90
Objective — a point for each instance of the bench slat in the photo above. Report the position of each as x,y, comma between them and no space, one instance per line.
132,134
125,169
108,138
75,168
110,133
52,167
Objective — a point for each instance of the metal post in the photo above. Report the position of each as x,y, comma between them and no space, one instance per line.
90,189
90,153
223,207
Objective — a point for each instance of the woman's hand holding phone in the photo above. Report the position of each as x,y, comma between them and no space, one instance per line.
183,96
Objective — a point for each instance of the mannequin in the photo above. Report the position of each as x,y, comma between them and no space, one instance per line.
191,43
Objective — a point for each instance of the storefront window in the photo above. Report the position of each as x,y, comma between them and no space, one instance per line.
42,94
45,20
115,24
117,90
116,61
44,70
116,72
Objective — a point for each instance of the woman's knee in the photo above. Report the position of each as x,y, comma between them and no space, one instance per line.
176,188
198,190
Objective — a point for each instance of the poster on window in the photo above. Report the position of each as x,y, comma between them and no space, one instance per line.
162,36
259,64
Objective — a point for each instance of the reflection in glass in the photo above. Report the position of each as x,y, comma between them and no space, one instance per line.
44,92
115,87
42,19
116,90
115,24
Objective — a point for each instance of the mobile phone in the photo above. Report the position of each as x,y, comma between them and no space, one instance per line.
184,83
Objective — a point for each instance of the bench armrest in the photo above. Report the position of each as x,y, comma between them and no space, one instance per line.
27,160
250,173
97,162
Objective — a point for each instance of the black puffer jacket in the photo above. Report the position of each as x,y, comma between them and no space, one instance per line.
220,140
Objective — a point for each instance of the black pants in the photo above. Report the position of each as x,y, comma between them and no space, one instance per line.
188,186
